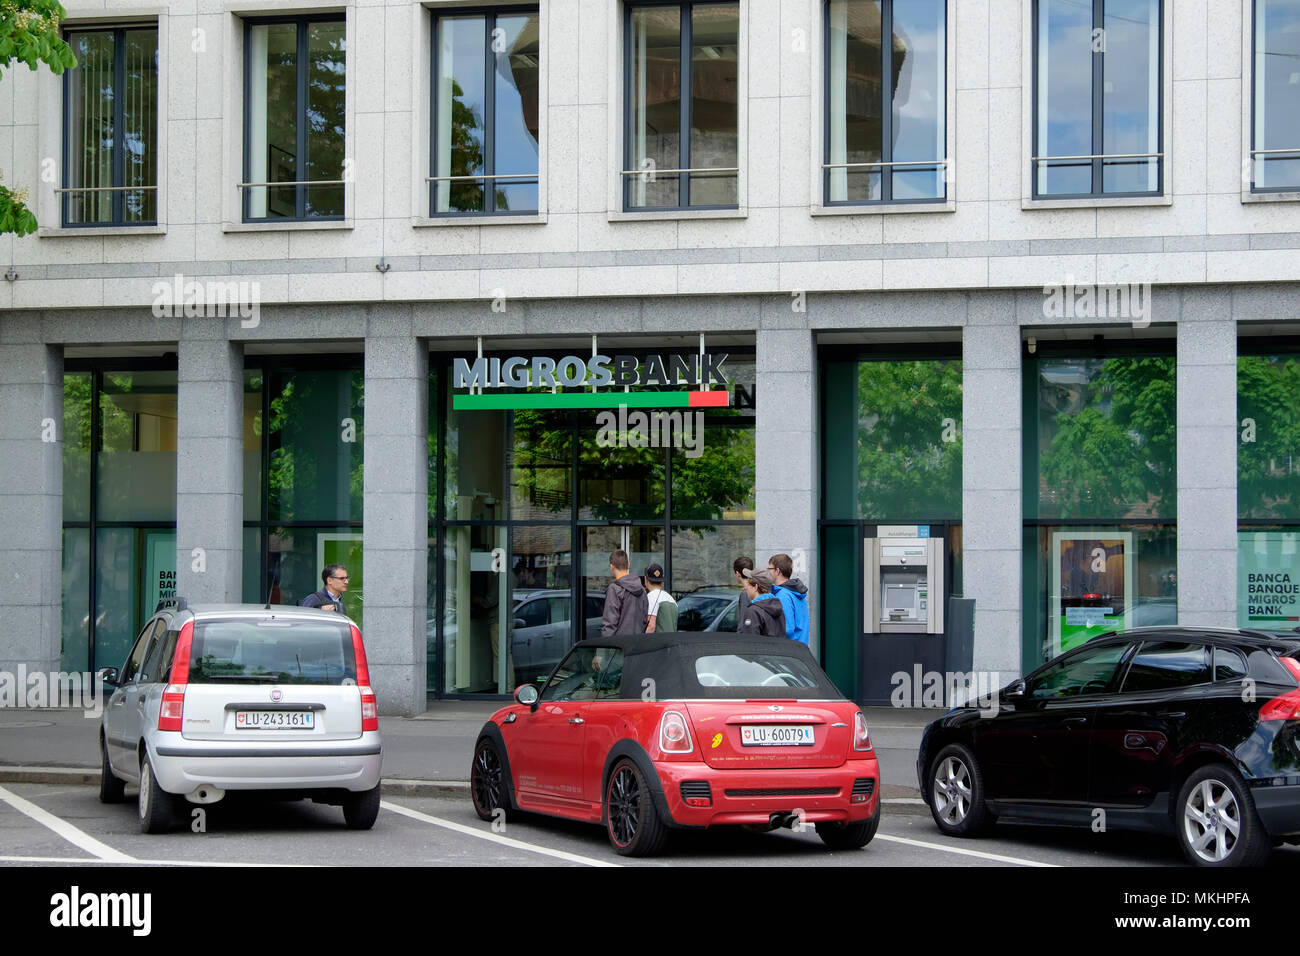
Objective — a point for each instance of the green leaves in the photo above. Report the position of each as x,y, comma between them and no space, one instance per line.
14,216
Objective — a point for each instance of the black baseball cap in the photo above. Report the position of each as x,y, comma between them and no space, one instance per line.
654,574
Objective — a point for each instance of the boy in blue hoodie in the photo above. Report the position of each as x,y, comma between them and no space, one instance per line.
793,595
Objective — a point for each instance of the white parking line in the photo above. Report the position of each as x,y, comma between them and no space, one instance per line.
997,857
494,837
78,838
73,859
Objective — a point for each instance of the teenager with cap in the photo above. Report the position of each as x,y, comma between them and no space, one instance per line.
662,608
764,614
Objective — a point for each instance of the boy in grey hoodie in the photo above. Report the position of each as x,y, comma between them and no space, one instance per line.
626,603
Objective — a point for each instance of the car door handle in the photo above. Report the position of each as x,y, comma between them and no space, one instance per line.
1172,713
576,720
1075,721
142,698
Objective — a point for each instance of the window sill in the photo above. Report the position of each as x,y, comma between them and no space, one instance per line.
285,226
884,209
65,232
662,215
427,222
1289,196
1097,202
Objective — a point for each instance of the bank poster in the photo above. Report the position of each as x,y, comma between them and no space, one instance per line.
344,549
1268,578
1090,586
159,569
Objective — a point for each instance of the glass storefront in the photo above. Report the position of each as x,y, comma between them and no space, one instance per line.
119,506
532,501
1100,545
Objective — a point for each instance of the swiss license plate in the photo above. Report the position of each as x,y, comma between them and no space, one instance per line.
777,735
275,720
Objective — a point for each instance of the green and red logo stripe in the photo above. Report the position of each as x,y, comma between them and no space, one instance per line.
719,398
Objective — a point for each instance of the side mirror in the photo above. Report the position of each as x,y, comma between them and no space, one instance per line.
108,675
520,622
1014,692
526,694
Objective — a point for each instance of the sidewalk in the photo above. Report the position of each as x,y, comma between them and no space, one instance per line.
428,755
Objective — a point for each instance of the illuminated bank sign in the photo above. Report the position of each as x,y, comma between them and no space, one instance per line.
599,371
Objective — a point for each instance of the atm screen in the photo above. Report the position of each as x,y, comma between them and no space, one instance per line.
900,598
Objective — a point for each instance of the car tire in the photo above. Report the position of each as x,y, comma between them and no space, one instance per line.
957,793
361,809
157,806
489,786
1216,820
631,820
111,789
849,836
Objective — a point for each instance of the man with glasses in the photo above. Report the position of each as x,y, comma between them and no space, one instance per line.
330,597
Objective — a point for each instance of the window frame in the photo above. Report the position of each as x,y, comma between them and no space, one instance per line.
1249,99
118,220
1162,195
948,161
489,14
301,20
683,204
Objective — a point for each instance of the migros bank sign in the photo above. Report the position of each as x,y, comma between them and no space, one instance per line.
656,372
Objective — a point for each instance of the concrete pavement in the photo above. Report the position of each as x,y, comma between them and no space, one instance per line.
426,755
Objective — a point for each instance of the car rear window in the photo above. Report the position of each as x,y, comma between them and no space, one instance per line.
753,670
272,651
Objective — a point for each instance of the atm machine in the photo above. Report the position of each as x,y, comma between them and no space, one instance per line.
904,594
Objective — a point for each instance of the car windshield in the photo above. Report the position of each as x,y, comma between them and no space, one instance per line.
695,612
753,670
272,651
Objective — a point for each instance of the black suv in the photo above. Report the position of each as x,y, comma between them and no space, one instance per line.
1176,730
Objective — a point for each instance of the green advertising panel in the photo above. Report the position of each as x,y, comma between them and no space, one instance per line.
1268,580
1091,585
160,569
344,549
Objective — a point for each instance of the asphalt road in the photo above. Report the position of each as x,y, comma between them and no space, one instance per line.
43,824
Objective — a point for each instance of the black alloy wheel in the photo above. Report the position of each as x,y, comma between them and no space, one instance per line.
487,784
632,821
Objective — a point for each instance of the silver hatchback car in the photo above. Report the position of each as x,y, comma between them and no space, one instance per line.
220,698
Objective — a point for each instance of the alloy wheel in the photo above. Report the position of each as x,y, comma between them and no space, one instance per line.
146,790
624,806
488,778
1212,821
952,791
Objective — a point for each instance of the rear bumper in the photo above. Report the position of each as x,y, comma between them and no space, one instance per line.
182,766
753,796
1279,808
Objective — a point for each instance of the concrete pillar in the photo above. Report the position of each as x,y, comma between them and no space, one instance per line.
786,423
396,514
31,497
991,504
209,465
1206,360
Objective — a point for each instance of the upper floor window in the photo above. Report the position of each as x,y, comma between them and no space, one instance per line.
110,138
681,128
484,148
1097,69
885,141
1275,142
294,126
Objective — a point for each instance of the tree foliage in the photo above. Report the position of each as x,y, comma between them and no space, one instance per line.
1268,446
29,33
1113,451
909,439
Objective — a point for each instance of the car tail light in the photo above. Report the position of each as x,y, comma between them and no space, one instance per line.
1286,707
861,736
173,698
674,735
369,705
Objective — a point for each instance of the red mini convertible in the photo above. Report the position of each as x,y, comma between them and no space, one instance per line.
683,731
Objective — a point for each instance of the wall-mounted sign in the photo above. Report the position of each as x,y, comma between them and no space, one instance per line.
1092,577
598,371
1268,579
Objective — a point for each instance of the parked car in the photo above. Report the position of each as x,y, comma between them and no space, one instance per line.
219,698
543,634
709,609
1191,732
645,734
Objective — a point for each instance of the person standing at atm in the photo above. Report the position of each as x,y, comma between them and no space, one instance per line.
793,595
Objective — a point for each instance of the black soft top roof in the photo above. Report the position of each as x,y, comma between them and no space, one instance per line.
669,661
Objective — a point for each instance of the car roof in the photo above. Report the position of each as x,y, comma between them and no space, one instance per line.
1284,643
202,612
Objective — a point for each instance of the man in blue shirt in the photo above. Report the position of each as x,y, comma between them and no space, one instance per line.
793,595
